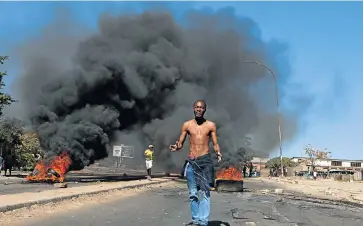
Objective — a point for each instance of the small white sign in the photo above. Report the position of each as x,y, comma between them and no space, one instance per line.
117,151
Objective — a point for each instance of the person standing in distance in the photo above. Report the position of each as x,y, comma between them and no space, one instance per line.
1,164
149,157
199,168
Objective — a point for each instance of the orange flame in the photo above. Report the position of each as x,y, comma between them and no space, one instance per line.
42,172
230,173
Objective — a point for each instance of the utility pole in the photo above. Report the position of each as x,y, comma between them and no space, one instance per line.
278,108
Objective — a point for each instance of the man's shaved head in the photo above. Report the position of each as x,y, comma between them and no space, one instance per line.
200,101
199,109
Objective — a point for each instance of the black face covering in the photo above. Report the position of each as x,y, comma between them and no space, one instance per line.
200,120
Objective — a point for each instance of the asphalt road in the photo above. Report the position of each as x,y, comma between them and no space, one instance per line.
170,206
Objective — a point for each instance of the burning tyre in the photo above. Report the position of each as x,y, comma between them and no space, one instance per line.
229,180
53,171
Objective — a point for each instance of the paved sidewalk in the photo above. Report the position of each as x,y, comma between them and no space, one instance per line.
15,201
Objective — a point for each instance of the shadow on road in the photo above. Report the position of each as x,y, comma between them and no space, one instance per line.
108,178
218,223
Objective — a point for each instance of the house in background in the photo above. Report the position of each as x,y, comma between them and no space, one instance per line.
259,163
329,164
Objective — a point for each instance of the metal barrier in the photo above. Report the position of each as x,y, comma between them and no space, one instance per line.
122,153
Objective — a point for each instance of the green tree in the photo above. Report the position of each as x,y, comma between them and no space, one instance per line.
10,130
24,144
5,99
275,163
27,150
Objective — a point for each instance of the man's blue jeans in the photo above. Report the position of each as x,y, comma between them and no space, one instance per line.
199,204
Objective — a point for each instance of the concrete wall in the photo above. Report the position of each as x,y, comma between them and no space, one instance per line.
343,177
357,176
322,163
291,171
265,172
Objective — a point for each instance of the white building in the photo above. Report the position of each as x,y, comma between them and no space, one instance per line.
332,164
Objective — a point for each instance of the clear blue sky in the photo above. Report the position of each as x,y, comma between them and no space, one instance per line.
326,56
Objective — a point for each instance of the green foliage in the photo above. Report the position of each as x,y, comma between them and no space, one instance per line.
30,142
275,163
26,151
26,161
10,130
5,99
24,144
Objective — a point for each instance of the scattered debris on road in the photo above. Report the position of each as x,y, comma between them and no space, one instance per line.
235,214
264,191
8,182
60,185
269,218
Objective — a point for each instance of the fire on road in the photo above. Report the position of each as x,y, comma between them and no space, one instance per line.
229,179
53,171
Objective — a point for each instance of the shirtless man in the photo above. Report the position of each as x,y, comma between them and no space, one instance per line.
199,169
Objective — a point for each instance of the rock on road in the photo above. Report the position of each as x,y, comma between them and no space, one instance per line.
168,205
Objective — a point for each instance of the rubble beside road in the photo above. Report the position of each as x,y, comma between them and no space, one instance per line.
16,201
321,188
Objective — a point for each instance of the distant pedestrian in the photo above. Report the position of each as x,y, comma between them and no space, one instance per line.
250,168
244,170
8,165
149,157
285,171
1,164
315,174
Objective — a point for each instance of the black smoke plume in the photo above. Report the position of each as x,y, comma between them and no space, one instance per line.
134,82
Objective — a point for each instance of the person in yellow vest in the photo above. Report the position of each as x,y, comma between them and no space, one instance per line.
149,157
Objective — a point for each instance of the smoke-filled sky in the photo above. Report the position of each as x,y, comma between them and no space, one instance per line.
150,68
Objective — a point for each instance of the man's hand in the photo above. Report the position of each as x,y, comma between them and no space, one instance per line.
174,147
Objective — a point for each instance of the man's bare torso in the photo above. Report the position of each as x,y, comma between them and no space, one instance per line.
199,137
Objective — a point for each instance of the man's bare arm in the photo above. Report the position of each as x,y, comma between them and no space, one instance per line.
179,143
215,139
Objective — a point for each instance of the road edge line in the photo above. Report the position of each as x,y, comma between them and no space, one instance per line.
8,208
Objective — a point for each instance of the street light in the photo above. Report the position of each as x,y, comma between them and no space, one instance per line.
277,104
